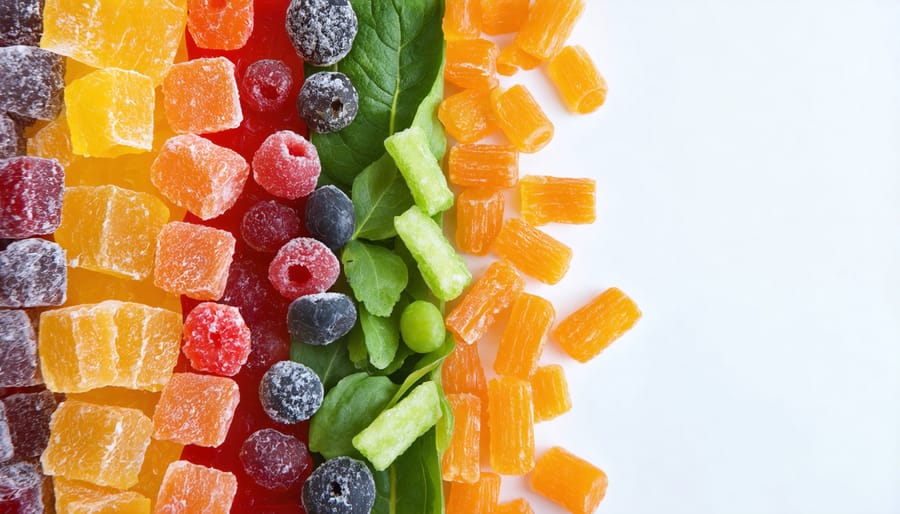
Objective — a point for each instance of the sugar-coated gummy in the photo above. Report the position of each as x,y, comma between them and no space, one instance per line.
31,195
75,497
287,165
216,339
18,360
303,266
342,485
322,318
290,392
28,417
21,22
6,446
201,96
411,152
269,343
268,225
248,289
21,489
274,460
328,101
189,488
330,217
220,25
196,409
322,31
11,141
31,82
266,85
32,274
193,260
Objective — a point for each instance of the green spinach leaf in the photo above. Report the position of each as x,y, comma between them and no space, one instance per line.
377,276
382,336
427,365
379,193
412,484
426,117
330,362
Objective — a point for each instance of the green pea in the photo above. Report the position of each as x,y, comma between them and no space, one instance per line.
422,327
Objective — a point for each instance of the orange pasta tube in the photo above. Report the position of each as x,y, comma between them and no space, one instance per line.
462,19
557,200
570,481
517,506
549,25
511,425
551,393
523,338
575,76
480,497
462,460
511,59
589,330
479,215
479,165
533,252
467,116
472,64
491,294
503,16
520,117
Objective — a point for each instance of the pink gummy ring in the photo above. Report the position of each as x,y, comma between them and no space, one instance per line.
303,266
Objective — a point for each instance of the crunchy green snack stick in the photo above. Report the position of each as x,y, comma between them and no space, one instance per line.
442,268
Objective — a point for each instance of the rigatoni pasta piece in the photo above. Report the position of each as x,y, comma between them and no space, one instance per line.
549,25
491,294
577,79
522,342
520,117
557,200
532,251
511,425
472,64
589,330
479,216
467,116
483,165
569,480
551,393
462,459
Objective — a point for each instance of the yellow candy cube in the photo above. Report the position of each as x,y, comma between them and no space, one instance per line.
73,497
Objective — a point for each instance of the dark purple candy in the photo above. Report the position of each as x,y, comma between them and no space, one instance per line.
18,358
32,274
266,85
31,193
21,489
267,226
21,22
11,141
249,290
269,343
28,416
31,82
274,460
6,446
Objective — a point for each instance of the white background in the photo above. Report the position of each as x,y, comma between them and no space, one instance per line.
748,168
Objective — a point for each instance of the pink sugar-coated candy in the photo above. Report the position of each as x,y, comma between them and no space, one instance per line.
216,339
31,191
266,85
287,165
303,266
267,225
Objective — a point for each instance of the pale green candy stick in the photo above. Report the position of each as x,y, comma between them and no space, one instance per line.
442,268
420,169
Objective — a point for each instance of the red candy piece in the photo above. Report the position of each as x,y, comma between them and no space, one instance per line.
303,266
216,339
220,24
266,85
31,191
267,226
274,460
287,165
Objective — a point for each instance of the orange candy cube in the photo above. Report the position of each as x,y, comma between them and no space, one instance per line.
201,96
522,342
551,393
511,59
480,165
472,64
503,16
575,76
191,489
570,481
462,19
480,497
589,330
196,409
532,251
467,115
511,425
462,459
558,200
479,215
491,295
520,117
462,372
220,24
193,260
549,25
517,506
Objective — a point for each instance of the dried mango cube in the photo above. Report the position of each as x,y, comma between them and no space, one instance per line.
111,230
462,19
517,506
188,489
77,347
512,58
557,200
220,24
54,141
532,251
199,175
491,294
503,16
511,425
86,286
472,64
148,342
193,260
144,401
549,25
467,115
589,330
522,342
480,497
482,165
568,480
462,459
74,497
110,113
196,409
479,215
96,443
139,35
201,96
551,393
575,76
520,117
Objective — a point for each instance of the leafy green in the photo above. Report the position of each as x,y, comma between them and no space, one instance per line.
426,117
382,337
347,409
394,64
379,193
416,287
330,362
377,276
430,362
412,484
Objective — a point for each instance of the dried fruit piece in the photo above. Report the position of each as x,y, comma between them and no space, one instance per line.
268,225
28,419
575,76
503,16
491,294
551,393
18,361
74,497
31,82
12,143
188,488
557,200
330,217
303,266
320,319
193,260
32,274
53,141
522,342
511,59
462,459
472,64
568,480
340,485
520,117
201,96
31,193
479,216
21,22
462,373
589,330
549,25
21,488
411,152
484,165
322,31
467,115
517,506
266,85
532,251
274,460
287,165
511,425
480,497
462,19
196,409
220,25
290,392
328,101
216,339
85,286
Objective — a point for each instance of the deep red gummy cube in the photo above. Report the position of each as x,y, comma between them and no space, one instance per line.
216,339
287,165
31,191
268,225
303,266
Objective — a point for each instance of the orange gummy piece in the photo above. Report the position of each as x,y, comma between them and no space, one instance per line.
503,16
96,443
467,115
512,425
462,19
85,286
193,260
589,330
491,294
201,96
517,506
511,58
549,25
190,489
520,117
481,496
522,342
220,24
551,393
462,372
462,459
558,200
532,251
481,165
144,401
54,141
74,497
479,215
570,481
575,76
196,409
472,64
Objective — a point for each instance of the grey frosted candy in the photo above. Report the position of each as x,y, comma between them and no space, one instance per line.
290,392
12,143
28,416
31,82
322,31
32,274
18,351
21,22
21,489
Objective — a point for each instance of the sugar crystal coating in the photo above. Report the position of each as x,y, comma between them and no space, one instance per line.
31,82
216,339
274,460
201,96
303,266
11,141
196,409
21,22
193,260
287,165
32,274
322,31
341,485
266,85
290,392
21,489
268,225
18,360
191,489
6,446
328,101
28,416
320,319
220,25
31,194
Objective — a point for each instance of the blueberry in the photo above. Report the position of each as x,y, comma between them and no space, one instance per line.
320,319
290,392
328,101
339,486
322,31
330,217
